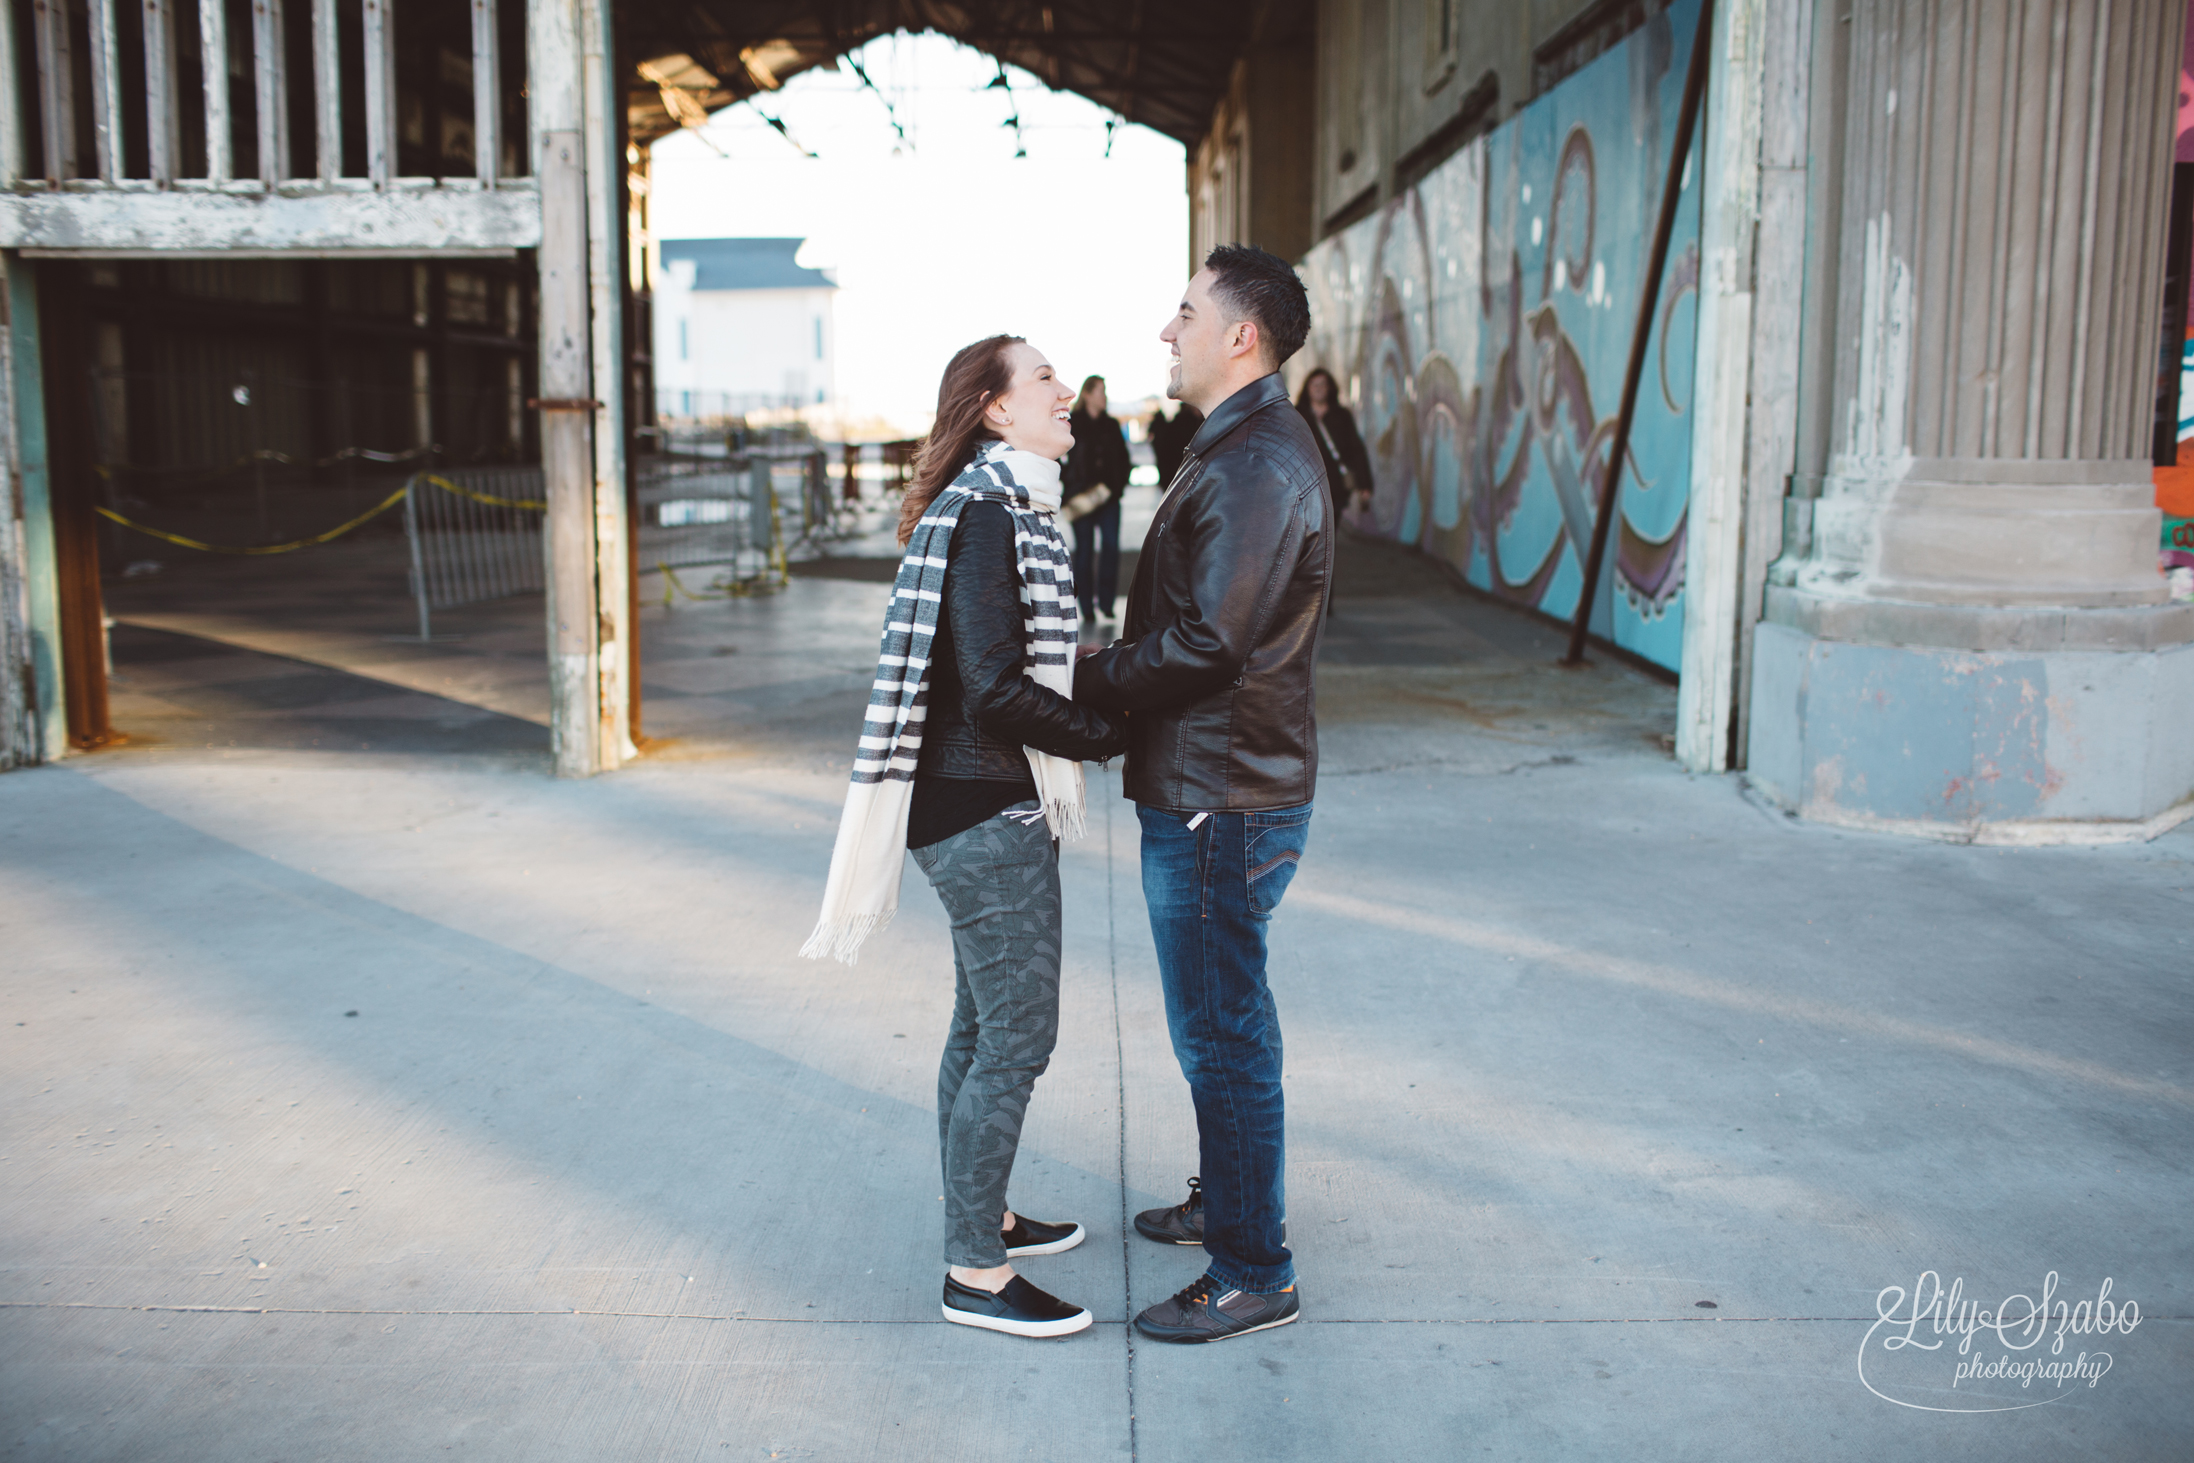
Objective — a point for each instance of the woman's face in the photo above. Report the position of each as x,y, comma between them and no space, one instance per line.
1321,391
1035,412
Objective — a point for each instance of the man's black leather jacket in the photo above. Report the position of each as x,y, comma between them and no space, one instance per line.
982,708
1215,665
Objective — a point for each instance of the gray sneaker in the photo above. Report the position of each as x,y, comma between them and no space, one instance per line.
1209,1311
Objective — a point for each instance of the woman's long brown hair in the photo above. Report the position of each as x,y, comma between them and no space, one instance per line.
978,374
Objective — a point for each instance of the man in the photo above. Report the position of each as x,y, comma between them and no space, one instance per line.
1215,674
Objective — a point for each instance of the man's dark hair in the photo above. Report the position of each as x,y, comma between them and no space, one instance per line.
1263,289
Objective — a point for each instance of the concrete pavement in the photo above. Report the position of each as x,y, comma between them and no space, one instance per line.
1614,1100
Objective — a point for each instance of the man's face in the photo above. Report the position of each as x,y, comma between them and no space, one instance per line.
1198,333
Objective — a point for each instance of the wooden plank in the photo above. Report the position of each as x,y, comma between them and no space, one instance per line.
404,219
106,91
487,94
163,104
270,81
56,93
327,92
380,45
213,70
11,126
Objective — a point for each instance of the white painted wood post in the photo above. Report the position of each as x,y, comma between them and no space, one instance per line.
56,91
1730,179
270,79
487,94
213,65
106,92
558,116
327,92
605,289
163,105
11,126
380,70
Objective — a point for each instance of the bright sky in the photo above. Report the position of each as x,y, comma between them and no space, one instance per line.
947,236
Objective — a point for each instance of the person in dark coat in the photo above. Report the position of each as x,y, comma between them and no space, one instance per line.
1348,465
1096,476
1169,439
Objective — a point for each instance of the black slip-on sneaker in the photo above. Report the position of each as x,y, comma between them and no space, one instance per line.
1018,1310
1209,1311
1182,1224
1035,1237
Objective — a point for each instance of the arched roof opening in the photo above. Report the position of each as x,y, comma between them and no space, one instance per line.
1164,66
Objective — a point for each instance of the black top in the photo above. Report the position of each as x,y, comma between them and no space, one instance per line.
981,708
1100,455
944,806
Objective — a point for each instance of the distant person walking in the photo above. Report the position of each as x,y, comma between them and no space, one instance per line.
1348,466
1096,476
1215,673
1169,439
970,758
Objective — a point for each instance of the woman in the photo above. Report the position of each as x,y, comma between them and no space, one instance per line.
969,757
1348,466
1096,476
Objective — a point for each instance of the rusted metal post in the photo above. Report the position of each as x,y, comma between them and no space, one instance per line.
1649,298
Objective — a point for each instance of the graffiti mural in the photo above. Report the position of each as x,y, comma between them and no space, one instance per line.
1480,325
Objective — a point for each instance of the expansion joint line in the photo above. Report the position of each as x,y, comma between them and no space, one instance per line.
1119,1067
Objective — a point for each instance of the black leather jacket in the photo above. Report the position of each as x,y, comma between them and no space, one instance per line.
982,707
1215,664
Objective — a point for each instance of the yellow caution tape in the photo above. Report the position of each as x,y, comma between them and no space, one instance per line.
304,543
490,499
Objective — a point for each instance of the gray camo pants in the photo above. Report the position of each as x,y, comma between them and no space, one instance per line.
1000,884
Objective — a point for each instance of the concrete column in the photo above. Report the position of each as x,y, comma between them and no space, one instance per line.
1968,635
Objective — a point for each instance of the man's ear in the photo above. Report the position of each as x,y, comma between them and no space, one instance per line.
1246,340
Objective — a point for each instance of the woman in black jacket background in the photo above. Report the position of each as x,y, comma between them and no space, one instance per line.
1348,466
1099,466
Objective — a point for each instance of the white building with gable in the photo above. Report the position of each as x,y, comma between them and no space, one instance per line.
741,326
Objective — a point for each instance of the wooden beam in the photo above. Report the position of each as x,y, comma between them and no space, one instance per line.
348,221
555,87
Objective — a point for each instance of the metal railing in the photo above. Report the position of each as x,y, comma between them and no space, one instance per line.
54,107
704,511
475,535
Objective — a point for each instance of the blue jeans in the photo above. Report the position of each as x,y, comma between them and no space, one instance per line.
1211,890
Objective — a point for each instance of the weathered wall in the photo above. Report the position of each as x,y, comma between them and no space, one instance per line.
1479,326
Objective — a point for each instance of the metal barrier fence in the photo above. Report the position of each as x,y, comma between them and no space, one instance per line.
475,535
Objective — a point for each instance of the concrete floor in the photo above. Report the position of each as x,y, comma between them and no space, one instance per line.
375,1095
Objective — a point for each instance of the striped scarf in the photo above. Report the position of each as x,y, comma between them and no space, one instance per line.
862,892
